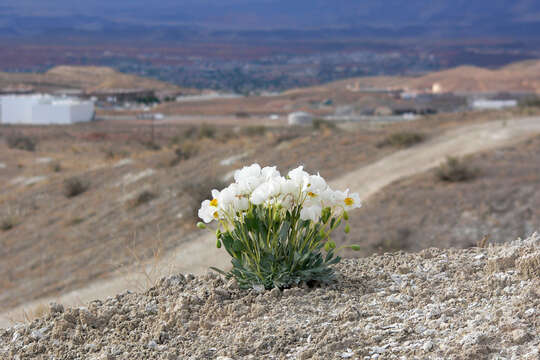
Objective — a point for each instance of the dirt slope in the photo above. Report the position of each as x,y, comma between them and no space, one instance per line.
199,254
480,303
87,78
518,77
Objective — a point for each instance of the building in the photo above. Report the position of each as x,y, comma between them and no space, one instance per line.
485,104
44,110
300,118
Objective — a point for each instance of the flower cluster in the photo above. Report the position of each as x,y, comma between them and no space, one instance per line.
256,186
276,227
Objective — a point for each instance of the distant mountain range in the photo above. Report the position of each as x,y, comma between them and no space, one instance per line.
191,19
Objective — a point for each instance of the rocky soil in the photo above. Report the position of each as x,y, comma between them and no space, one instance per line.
476,303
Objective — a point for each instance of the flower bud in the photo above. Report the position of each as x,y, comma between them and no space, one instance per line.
355,247
332,245
201,225
346,215
347,229
327,246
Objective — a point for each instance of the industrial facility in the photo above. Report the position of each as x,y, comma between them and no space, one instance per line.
44,110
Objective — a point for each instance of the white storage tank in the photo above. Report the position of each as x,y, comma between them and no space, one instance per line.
300,118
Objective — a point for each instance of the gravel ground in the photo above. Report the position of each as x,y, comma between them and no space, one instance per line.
477,303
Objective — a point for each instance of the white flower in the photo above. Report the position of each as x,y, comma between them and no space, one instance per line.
248,178
207,212
252,171
347,200
299,177
312,213
269,172
267,191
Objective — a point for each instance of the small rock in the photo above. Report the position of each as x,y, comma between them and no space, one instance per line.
519,336
36,335
428,346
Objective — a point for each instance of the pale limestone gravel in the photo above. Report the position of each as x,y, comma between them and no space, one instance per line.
437,304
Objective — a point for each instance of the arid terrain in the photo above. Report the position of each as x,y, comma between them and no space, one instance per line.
85,78
477,303
141,196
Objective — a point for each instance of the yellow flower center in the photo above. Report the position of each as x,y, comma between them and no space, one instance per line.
216,215
311,194
213,202
348,201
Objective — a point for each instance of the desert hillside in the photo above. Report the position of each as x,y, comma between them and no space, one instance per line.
140,201
517,77
86,78
476,303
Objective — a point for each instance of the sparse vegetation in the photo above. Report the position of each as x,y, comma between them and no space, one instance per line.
321,124
207,131
21,142
242,115
455,170
75,221
55,166
184,152
111,153
8,223
258,130
530,102
143,197
402,139
151,145
75,186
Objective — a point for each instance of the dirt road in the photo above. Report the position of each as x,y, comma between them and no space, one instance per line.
197,255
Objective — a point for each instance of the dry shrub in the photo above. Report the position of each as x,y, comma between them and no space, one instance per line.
207,131
21,142
75,186
55,166
257,130
322,124
184,152
151,145
143,197
8,223
75,221
402,139
455,170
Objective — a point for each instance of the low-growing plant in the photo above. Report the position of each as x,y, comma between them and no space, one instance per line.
8,223
75,186
277,229
151,145
257,130
75,221
143,197
207,131
56,166
455,170
21,142
322,123
402,139
242,115
184,152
